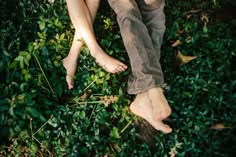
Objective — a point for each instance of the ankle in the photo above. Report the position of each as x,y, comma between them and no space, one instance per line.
159,89
72,57
95,52
155,91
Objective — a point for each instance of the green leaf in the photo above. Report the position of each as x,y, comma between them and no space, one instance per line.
115,132
53,122
205,29
23,87
41,24
45,51
58,23
33,112
62,36
41,35
19,58
26,61
11,111
23,53
22,64
4,107
82,115
24,135
28,57
84,151
31,47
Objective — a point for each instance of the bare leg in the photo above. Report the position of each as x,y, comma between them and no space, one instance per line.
70,62
81,19
161,108
142,106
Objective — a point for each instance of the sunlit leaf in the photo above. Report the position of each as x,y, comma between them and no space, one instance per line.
19,58
182,59
115,132
41,25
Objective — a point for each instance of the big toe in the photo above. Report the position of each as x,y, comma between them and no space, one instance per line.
163,127
70,86
70,81
167,129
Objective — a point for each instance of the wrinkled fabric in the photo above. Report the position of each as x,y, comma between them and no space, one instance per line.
142,26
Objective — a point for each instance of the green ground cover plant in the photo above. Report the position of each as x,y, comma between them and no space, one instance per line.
39,116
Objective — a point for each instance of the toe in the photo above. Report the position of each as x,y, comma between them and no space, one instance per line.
70,81
120,69
163,127
70,86
167,129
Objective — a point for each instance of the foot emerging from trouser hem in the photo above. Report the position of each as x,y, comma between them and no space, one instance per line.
161,108
70,65
108,63
142,107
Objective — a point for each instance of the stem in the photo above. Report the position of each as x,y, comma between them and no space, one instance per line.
92,112
31,128
90,102
42,125
125,127
90,84
43,73
42,146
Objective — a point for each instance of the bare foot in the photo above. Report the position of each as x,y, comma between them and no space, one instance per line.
161,108
70,64
108,63
142,107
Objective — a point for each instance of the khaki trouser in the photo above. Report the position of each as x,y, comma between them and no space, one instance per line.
142,25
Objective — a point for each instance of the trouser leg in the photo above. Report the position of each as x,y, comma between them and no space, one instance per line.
154,19
146,70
